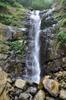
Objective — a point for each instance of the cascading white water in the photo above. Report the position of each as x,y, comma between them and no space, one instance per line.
32,61
37,22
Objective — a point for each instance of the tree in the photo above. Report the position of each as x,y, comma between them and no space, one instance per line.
36,4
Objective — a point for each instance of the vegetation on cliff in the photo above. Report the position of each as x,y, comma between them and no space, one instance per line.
11,13
60,16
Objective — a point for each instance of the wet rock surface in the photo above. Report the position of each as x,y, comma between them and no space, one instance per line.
63,94
25,96
49,98
51,86
20,83
40,95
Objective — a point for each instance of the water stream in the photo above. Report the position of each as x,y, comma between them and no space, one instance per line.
37,51
32,58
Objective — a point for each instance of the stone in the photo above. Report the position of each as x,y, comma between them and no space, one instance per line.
3,77
20,83
16,98
63,94
25,96
4,96
3,48
32,90
61,74
0,69
3,85
3,80
52,86
62,84
40,86
18,91
49,98
3,56
9,33
40,95
2,37
64,60
14,33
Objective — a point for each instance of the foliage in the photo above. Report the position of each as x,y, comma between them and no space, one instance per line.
62,37
60,16
10,2
2,5
36,4
63,24
42,4
5,19
12,13
25,3
17,46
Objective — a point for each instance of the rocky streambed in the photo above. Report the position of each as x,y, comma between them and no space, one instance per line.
52,87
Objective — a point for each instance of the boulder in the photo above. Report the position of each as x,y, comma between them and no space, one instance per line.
3,80
32,90
3,77
3,48
52,86
14,33
40,95
25,96
4,96
3,56
63,94
49,98
20,83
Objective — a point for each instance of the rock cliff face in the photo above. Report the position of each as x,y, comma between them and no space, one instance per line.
12,35
51,57
49,28
12,48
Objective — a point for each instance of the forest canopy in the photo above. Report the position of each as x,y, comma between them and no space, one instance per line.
36,4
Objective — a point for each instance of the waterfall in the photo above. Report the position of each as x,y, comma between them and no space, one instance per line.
32,58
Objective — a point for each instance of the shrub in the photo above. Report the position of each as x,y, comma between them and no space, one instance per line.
5,19
18,46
